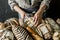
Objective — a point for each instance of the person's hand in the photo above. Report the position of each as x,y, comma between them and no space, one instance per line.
37,19
21,20
23,15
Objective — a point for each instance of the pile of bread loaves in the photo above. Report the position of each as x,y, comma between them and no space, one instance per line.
47,30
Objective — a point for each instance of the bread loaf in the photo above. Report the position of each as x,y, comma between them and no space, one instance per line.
52,23
19,32
45,30
31,29
5,34
56,36
58,21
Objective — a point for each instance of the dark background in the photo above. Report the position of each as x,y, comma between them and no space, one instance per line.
54,10
5,11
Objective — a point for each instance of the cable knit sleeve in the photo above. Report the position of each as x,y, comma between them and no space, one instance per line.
12,3
46,2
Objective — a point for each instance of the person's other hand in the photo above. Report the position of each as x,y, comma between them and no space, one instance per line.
37,19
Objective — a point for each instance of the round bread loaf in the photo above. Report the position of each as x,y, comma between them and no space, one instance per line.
56,36
58,21
5,34
52,23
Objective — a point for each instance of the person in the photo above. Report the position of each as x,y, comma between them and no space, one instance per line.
30,7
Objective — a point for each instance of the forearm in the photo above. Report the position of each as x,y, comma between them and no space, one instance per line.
44,6
19,10
14,6
41,9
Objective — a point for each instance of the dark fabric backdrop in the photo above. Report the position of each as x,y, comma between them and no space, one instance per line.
54,10
5,11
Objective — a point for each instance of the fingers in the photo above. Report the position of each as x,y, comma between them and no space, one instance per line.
35,19
37,22
22,20
23,17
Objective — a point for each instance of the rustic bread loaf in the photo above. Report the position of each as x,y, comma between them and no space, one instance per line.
5,34
52,23
19,32
56,36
